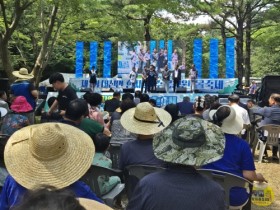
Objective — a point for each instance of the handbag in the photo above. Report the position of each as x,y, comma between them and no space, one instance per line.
262,194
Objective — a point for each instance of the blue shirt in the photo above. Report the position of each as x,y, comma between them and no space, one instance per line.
138,152
237,157
177,188
24,88
12,192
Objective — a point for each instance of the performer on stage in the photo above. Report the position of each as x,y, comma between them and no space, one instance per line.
166,78
193,77
133,77
152,79
93,79
176,78
145,74
174,59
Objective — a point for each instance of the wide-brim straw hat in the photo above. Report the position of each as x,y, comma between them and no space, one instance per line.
3,111
233,124
89,204
145,119
48,154
23,74
190,141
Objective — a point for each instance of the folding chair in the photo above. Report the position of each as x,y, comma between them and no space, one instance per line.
271,135
91,179
228,181
114,151
133,174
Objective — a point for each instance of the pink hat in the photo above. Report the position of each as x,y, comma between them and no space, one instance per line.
21,105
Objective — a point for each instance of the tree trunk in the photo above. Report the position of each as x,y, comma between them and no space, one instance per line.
5,58
239,52
247,60
147,34
44,52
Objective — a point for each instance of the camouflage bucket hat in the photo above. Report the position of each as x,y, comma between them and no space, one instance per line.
190,141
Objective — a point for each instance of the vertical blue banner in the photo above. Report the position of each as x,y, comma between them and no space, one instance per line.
169,53
107,59
230,57
79,59
214,58
153,45
197,56
161,44
93,54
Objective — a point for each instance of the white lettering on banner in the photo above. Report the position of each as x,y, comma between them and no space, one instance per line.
204,85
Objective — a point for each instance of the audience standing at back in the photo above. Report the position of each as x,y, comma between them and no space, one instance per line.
65,93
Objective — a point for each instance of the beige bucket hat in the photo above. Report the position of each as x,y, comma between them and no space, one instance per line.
145,119
48,154
23,74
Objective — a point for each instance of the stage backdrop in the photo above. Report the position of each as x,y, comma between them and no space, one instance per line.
221,86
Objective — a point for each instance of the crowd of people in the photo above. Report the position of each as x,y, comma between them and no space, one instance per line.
44,162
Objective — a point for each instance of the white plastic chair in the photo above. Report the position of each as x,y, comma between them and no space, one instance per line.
272,134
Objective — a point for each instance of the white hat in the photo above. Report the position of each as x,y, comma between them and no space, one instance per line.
232,124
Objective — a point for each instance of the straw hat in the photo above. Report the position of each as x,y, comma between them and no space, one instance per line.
3,112
20,105
92,204
23,74
233,124
145,119
190,141
48,154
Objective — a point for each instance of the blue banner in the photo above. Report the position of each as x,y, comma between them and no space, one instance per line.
197,56
161,44
107,59
169,53
214,58
230,57
93,55
79,59
153,45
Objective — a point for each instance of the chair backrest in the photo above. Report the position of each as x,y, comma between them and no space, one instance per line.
3,141
133,174
272,133
226,180
114,151
91,177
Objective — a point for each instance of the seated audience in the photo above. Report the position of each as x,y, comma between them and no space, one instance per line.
101,142
52,117
153,102
145,121
16,119
112,104
173,110
180,186
94,100
48,154
144,98
119,133
271,115
3,100
237,158
137,96
199,107
252,106
185,107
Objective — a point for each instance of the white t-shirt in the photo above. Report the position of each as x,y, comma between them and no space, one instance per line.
132,76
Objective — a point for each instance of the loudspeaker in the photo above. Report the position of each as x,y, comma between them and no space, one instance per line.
160,90
181,90
128,90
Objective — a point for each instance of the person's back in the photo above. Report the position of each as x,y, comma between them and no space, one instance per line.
13,122
120,134
185,107
177,188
